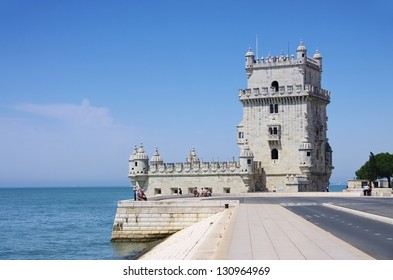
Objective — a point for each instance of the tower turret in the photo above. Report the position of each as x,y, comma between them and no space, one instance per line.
156,158
305,151
192,157
141,161
246,158
328,156
131,160
318,57
301,53
138,167
250,58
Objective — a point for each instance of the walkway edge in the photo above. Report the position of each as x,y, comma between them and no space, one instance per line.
222,251
360,213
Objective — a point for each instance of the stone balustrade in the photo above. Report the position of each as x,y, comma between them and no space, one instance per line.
291,90
282,60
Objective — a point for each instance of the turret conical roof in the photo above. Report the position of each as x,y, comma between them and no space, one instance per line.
141,153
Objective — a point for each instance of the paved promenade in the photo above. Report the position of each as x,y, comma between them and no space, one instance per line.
255,232
271,232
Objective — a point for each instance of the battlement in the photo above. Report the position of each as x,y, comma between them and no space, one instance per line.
272,61
188,168
284,91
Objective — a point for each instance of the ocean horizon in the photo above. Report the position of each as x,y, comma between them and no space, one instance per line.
65,223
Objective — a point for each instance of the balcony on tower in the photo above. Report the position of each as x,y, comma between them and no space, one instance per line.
274,134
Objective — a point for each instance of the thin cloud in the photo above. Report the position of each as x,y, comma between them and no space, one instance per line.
86,146
83,114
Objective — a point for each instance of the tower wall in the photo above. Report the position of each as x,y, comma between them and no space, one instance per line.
282,105
224,183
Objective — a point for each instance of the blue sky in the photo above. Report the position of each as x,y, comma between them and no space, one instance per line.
81,82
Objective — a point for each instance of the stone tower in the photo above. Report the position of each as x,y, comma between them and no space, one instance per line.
138,165
285,121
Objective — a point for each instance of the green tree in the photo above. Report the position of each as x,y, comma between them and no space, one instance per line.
385,166
377,166
368,170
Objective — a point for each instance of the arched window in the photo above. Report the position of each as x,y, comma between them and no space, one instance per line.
274,154
276,108
275,85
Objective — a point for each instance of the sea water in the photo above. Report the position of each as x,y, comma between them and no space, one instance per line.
70,223
337,188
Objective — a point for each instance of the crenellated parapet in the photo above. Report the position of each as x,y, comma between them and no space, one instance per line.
269,61
195,168
283,91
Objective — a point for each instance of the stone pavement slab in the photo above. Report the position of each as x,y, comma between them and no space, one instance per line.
271,232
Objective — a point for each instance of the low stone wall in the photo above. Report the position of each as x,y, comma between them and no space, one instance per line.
381,192
374,192
152,220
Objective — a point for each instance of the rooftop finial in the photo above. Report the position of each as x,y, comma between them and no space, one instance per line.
250,52
301,46
317,54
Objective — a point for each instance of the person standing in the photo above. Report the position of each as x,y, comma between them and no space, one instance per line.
365,190
141,196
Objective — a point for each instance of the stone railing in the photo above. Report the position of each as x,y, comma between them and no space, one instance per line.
317,91
273,137
292,90
276,60
282,60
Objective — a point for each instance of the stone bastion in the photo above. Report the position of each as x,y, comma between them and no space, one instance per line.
144,221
